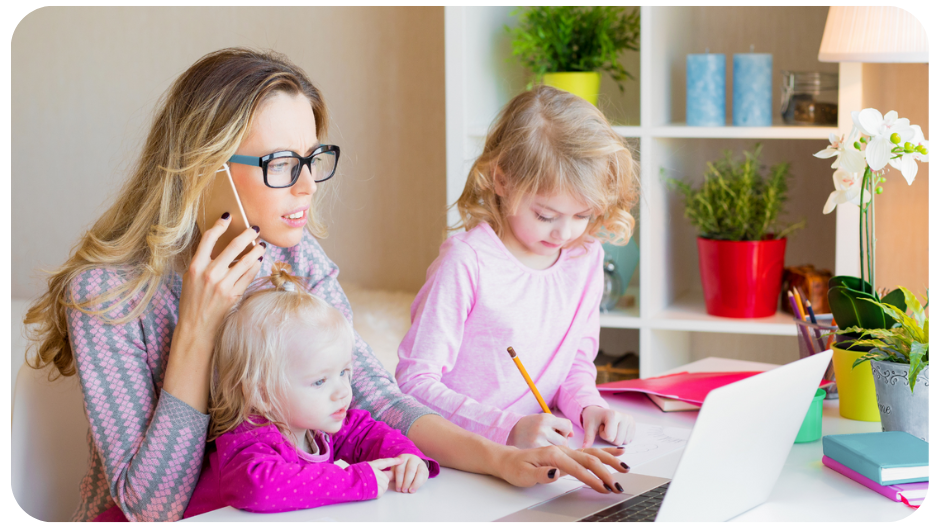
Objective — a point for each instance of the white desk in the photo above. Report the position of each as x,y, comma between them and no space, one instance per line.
806,490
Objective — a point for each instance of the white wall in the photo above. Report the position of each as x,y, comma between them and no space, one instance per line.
85,82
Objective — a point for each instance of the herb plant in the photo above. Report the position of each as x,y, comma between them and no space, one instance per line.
564,39
735,202
905,342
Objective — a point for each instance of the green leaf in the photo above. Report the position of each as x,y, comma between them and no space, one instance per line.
868,357
849,309
851,282
919,352
896,299
914,305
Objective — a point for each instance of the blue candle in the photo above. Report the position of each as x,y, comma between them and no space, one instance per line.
753,104
705,89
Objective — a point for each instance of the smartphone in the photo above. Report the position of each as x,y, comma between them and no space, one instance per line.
222,197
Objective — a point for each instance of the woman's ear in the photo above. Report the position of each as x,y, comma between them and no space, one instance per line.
499,182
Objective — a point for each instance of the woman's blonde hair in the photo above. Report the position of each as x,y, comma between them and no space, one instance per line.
150,229
547,141
249,370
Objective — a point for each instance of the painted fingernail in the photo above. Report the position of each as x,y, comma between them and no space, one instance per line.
256,228
606,486
618,487
264,245
624,465
551,473
226,216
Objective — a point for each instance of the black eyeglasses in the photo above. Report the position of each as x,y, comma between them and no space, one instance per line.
282,169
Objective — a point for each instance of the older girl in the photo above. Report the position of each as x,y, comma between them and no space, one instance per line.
136,307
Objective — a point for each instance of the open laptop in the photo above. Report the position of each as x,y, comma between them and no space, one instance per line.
738,446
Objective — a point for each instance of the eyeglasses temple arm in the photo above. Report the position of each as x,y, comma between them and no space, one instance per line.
245,160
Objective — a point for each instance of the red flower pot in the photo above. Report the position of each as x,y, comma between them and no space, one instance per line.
741,279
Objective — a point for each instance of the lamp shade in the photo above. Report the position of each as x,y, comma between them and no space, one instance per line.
872,34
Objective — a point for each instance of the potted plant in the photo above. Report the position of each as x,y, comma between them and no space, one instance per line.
741,246
900,361
875,142
567,47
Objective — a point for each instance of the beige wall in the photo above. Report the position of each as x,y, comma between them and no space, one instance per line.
85,82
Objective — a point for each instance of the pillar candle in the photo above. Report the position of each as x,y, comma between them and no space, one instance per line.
705,89
752,99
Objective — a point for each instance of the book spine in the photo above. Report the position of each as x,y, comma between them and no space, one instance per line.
837,451
885,491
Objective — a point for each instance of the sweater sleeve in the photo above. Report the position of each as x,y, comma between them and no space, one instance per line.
254,476
579,389
374,389
364,439
151,443
431,347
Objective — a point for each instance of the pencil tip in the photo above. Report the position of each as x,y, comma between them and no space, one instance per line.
512,352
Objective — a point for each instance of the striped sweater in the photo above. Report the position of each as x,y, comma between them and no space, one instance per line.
146,447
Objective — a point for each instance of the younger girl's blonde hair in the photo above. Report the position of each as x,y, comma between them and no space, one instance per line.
548,141
249,361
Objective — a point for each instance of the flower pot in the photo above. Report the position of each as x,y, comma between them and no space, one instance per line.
901,410
856,385
741,279
584,84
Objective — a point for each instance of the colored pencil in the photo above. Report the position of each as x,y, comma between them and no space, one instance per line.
528,380
802,329
812,318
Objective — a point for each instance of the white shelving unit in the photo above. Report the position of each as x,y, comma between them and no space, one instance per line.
481,77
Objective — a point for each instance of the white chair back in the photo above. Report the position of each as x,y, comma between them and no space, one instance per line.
50,452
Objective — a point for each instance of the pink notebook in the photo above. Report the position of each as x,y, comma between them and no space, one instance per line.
684,386
911,494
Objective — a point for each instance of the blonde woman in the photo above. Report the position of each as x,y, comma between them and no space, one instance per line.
553,177
135,309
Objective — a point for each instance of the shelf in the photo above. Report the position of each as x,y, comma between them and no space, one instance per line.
624,317
744,132
687,313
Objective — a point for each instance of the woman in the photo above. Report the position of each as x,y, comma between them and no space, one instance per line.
135,309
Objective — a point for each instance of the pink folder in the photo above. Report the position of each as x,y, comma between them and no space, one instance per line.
915,492
684,386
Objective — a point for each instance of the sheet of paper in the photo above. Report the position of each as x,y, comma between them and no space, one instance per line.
651,442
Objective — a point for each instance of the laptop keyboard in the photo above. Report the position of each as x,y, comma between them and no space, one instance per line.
641,508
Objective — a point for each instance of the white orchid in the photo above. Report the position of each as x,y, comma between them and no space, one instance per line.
870,122
907,162
848,189
847,156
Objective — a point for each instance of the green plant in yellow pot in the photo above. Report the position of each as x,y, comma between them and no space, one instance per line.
568,47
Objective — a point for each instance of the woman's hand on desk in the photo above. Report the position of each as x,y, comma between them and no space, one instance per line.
526,467
612,426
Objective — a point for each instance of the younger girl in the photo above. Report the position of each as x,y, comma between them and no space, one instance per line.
552,179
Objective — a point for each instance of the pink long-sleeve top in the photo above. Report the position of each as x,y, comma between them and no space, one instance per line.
478,300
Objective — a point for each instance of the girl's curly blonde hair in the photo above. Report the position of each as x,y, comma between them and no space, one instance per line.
548,141
248,364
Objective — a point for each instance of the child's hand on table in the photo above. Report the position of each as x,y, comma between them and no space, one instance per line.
410,474
538,430
379,466
612,426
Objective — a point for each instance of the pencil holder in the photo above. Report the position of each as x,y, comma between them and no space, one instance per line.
812,423
811,339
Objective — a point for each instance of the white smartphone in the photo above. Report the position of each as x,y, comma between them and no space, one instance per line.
222,197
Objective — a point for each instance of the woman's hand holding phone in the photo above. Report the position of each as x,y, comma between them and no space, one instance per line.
211,287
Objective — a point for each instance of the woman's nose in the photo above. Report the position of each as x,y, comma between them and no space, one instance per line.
305,184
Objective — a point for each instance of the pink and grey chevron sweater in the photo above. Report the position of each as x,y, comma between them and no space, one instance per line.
146,447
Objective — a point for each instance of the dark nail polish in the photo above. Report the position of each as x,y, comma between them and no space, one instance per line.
624,465
256,228
551,473
606,486
264,245
618,487
260,258
226,216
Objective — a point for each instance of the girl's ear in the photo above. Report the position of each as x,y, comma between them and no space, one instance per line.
499,182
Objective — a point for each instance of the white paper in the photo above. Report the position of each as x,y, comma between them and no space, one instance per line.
651,442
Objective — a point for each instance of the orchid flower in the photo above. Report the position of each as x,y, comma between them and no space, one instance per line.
848,189
870,122
849,158
907,162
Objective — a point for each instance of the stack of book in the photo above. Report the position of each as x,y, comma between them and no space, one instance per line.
893,464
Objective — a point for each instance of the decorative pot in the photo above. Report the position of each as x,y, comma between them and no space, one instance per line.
584,84
856,385
901,409
741,279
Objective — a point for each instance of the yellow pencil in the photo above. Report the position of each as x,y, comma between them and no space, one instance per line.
528,380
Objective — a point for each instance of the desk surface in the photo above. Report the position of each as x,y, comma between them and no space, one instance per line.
806,490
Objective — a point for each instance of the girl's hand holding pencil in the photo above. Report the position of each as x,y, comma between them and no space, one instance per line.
537,430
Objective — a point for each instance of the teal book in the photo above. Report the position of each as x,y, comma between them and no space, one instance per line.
888,458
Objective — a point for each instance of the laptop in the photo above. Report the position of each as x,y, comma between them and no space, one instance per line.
739,444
